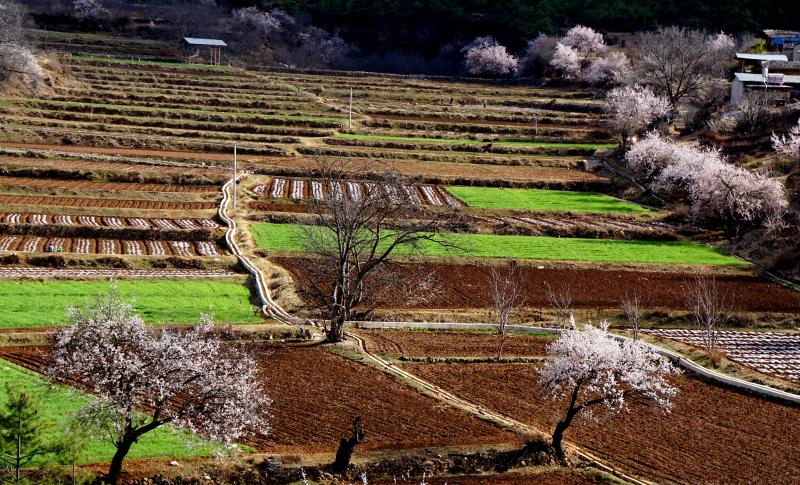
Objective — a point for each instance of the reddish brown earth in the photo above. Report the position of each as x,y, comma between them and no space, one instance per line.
712,435
449,344
465,286
300,165
316,394
97,165
108,203
116,186
547,477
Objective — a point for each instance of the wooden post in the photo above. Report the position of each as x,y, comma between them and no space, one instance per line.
350,115
234,177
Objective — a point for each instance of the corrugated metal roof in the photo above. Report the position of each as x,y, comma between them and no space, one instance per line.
762,57
747,77
210,42
781,33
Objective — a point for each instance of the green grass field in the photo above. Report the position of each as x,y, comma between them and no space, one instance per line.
59,403
176,65
286,237
543,200
357,136
36,304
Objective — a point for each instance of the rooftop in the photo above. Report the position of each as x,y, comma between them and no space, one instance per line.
781,33
761,57
747,77
209,42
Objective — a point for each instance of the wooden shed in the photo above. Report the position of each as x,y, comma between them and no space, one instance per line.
195,46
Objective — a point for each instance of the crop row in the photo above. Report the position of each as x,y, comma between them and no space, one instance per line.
35,244
310,189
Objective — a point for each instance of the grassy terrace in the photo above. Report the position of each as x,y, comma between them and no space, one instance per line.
177,65
59,403
35,103
287,237
543,200
359,136
35,304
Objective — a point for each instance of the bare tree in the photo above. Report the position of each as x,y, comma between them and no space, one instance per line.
708,309
633,309
560,300
184,378
507,296
355,230
590,368
682,63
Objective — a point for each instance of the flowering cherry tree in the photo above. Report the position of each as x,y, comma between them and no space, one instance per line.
716,189
184,378
613,68
788,145
484,56
591,369
634,109
584,40
567,60
572,51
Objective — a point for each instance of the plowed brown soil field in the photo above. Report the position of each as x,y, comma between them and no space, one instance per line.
465,286
115,186
108,203
712,435
97,165
316,394
449,344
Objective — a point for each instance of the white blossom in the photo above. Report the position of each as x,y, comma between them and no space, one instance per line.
584,40
634,109
143,378
484,56
540,49
89,9
567,60
590,368
788,145
614,68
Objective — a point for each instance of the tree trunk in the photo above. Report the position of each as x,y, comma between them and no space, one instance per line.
347,446
115,469
558,433
502,341
336,330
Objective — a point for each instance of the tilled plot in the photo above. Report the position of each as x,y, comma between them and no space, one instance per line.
449,344
116,186
107,203
32,244
106,221
772,353
34,272
311,412
712,435
466,286
316,190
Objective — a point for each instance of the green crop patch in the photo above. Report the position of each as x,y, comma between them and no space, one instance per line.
289,237
36,304
59,404
134,62
543,200
410,139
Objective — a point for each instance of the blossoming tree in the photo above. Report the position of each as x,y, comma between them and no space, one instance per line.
144,378
590,369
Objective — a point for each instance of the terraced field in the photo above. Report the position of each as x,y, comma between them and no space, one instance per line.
118,174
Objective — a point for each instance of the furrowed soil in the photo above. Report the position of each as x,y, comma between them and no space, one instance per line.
449,344
316,394
466,286
107,203
711,431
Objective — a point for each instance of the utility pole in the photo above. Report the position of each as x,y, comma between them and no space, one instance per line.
350,117
234,177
